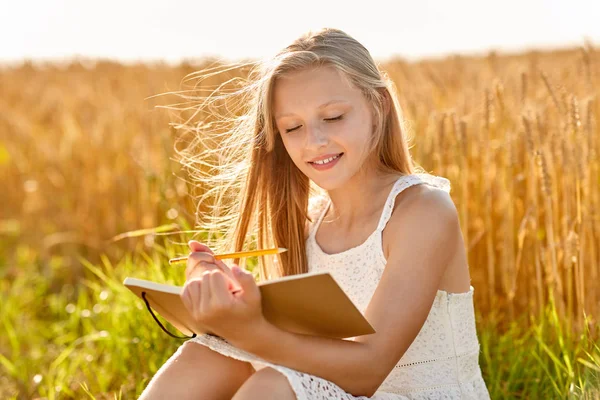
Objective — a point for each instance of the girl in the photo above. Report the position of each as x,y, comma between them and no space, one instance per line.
322,113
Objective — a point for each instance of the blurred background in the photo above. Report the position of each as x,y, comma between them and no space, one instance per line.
501,98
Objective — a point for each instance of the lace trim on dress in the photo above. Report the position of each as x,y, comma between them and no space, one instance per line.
436,359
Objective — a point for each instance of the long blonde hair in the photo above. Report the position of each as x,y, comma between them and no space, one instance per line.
248,179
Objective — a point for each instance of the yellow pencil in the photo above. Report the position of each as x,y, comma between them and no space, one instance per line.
239,254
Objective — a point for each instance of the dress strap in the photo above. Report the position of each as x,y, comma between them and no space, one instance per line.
405,182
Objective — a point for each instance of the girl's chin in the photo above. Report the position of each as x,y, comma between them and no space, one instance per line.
330,183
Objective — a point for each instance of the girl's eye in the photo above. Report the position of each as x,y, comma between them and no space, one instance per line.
326,119
293,129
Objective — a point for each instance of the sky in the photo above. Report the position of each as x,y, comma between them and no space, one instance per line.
172,30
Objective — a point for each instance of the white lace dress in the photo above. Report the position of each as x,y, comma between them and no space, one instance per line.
443,360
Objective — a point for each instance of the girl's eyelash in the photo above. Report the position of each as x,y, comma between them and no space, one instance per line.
326,119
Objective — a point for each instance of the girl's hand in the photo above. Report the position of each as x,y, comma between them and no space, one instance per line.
201,259
232,316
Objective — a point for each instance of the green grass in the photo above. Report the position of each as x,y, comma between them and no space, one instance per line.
541,361
94,339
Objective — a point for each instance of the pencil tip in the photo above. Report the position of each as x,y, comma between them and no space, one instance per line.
282,249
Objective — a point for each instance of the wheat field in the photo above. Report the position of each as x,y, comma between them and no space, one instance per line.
91,191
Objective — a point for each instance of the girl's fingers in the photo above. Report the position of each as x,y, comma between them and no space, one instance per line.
206,292
220,294
202,259
199,262
197,246
185,297
195,288
228,273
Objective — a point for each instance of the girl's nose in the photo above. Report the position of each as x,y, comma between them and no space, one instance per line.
315,137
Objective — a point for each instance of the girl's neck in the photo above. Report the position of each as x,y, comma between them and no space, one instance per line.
359,200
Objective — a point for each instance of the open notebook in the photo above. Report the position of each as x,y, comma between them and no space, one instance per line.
310,303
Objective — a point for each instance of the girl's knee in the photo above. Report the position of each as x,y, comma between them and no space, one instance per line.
266,383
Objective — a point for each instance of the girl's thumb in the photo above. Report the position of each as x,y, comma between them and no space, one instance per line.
245,278
247,284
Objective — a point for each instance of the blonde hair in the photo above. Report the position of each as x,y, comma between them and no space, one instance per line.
249,180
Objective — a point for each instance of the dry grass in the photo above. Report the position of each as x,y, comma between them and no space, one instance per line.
84,156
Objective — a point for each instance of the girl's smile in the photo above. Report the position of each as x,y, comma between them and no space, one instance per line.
327,163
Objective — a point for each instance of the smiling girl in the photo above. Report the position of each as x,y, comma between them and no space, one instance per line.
322,114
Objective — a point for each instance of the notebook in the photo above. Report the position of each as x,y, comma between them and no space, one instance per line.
312,304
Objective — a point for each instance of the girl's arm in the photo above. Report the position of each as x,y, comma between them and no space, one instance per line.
420,248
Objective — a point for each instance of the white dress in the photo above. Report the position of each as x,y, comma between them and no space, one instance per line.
443,360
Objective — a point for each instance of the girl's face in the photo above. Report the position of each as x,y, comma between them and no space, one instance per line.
320,117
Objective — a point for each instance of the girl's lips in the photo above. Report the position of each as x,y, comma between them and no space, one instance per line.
329,165
325,157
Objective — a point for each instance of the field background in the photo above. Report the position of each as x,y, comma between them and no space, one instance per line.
91,193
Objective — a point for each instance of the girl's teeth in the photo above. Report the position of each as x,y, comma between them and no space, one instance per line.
328,160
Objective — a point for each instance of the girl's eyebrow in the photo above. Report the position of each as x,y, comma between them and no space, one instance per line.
320,107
